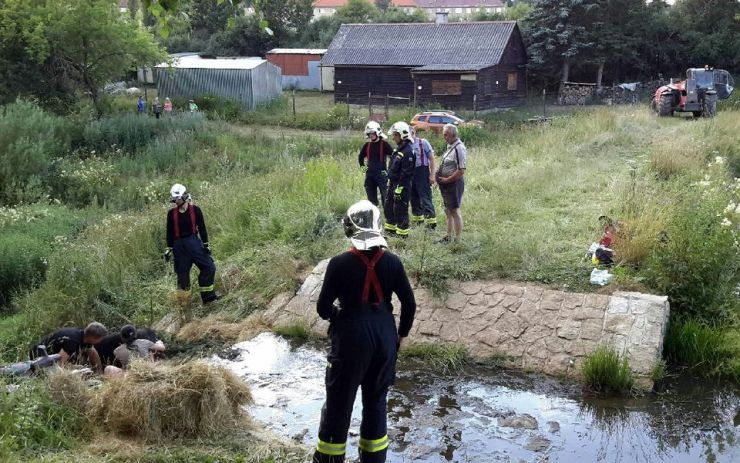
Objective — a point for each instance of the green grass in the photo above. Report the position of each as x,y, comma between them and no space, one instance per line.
296,330
443,358
710,350
606,371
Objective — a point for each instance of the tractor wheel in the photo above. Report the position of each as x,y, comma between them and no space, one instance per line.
710,107
665,105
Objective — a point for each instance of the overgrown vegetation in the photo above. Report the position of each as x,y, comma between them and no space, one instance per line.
444,358
606,371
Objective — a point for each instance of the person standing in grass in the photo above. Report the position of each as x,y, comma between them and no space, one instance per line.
450,179
422,207
192,106
156,107
373,159
400,176
187,239
141,105
167,107
364,338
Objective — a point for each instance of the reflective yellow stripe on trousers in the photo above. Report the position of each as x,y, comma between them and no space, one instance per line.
375,445
205,289
331,449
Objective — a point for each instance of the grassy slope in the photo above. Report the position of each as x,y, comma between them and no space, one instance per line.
273,206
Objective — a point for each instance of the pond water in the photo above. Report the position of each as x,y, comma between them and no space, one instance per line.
486,414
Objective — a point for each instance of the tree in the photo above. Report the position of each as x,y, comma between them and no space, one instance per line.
397,15
245,38
557,34
209,16
287,16
383,5
357,11
710,32
318,34
616,34
89,43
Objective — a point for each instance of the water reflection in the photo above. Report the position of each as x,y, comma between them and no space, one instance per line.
458,419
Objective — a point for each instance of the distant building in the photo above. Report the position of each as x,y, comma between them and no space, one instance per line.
251,81
458,65
460,8
329,7
300,66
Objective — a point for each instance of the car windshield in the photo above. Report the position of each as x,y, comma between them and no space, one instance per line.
704,79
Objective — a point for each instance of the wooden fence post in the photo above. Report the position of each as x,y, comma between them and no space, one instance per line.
294,104
386,106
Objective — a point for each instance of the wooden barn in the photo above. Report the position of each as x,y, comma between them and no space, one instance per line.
461,65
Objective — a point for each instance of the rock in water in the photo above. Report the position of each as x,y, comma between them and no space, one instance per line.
519,422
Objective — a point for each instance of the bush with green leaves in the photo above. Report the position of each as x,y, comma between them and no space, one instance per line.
30,139
131,132
605,370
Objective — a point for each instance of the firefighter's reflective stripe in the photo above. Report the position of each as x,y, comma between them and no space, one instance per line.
374,445
331,449
402,231
205,289
176,223
389,226
431,221
417,218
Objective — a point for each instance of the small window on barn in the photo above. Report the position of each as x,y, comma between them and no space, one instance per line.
511,82
446,87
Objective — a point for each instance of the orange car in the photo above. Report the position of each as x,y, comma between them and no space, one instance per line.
436,120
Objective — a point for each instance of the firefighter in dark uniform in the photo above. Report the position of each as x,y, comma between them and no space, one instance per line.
422,206
364,339
187,239
373,159
400,177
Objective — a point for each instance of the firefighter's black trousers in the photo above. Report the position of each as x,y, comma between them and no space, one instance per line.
376,181
363,354
396,209
422,207
188,251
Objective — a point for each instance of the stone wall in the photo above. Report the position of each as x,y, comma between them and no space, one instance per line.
529,326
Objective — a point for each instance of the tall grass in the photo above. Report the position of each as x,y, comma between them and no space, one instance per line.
606,371
698,346
444,358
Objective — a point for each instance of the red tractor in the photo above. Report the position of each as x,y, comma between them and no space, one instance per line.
698,94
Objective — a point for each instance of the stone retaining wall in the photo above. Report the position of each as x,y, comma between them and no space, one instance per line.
531,327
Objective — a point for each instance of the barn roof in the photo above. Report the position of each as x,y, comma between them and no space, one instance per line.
448,46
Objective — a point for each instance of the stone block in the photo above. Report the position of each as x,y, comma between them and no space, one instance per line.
551,300
430,328
474,312
493,300
449,332
598,301
516,291
529,312
298,306
493,314
591,329
618,305
471,288
536,332
456,301
538,350
588,313
619,323
511,325
491,337
423,313
568,329
558,364
469,329
573,300
491,288
511,303
532,293
478,299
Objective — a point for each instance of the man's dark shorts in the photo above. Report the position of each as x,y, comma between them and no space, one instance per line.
452,193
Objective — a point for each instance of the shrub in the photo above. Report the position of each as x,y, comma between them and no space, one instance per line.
446,358
32,421
697,263
696,345
131,132
30,138
606,371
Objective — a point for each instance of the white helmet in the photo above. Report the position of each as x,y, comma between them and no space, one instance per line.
178,192
402,129
362,226
374,127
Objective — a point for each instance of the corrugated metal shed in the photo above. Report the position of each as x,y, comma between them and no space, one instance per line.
252,81
464,45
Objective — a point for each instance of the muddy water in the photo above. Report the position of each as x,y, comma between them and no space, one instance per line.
490,415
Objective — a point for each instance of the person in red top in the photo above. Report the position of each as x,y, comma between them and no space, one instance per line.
364,338
187,239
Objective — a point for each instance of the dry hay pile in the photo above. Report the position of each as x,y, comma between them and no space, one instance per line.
223,327
155,401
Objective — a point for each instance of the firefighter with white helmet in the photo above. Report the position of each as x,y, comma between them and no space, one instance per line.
364,338
400,176
373,159
187,239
